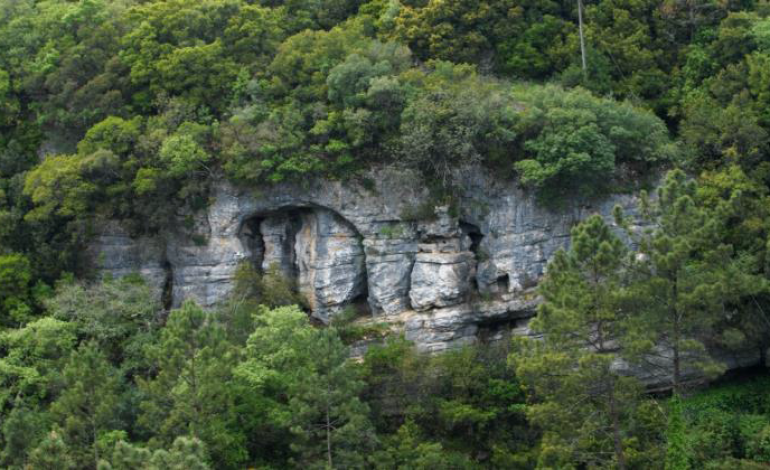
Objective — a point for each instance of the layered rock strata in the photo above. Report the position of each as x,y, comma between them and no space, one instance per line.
446,277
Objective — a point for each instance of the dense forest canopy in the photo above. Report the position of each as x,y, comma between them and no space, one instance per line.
130,109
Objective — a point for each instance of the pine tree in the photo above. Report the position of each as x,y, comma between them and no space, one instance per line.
580,397
315,389
680,283
193,392
186,453
88,404
52,454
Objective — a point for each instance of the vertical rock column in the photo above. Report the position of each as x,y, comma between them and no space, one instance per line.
278,235
444,267
330,263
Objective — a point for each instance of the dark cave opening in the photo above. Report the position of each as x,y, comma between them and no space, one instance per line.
503,283
167,293
472,238
475,237
252,240
497,329
298,243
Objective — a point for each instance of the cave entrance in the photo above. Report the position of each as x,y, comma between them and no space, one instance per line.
318,251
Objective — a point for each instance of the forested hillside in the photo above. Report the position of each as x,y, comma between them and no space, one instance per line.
129,110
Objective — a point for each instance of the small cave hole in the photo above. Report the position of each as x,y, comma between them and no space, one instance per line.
472,240
494,330
503,283
167,294
475,236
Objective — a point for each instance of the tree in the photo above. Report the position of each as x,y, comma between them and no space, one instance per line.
23,427
682,272
186,453
314,388
409,449
459,118
193,392
15,278
88,404
32,361
574,141
120,316
52,454
580,396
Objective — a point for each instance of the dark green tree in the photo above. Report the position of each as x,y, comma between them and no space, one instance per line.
308,374
192,391
582,402
681,284
88,404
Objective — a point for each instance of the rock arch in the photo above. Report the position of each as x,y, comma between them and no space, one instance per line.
315,247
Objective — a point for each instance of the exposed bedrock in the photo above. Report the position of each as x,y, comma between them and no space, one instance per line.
444,277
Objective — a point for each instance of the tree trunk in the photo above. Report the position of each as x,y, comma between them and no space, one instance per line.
617,438
328,438
676,376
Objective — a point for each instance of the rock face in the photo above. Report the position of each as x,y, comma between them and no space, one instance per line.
445,277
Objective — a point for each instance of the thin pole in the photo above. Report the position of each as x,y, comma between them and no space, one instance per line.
582,40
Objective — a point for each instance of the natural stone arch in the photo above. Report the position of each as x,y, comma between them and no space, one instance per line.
315,247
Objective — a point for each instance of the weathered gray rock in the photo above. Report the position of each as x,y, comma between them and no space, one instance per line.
330,263
389,268
440,279
278,236
115,253
445,280
341,242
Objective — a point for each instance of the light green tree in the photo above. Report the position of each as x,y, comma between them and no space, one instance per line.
307,373
121,316
52,454
186,453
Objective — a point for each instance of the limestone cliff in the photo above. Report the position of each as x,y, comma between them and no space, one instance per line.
447,278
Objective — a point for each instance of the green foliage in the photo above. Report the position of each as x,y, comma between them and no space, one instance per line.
676,450
459,119
33,360
88,404
587,409
573,141
120,316
52,454
306,374
15,291
463,408
685,276
189,393
409,449
129,109
185,453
